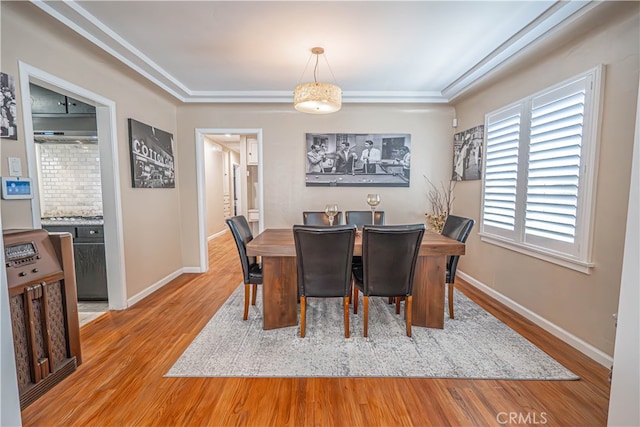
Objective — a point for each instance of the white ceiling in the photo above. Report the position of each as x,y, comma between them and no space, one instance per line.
227,140
256,51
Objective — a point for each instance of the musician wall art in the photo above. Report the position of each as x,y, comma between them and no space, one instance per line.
358,160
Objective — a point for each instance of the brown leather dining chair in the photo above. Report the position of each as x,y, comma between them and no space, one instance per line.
251,269
389,254
323,258
458,228
319,218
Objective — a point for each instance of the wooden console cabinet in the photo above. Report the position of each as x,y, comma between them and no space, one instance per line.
44,309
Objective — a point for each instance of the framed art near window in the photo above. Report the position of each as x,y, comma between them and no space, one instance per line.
151,156
467,154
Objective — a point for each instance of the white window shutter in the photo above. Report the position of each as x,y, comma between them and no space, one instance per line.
555,146
501,169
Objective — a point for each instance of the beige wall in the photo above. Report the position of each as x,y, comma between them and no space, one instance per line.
151,218
581,304
284,150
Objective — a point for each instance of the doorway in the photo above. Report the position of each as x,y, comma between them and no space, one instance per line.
242,171
108,154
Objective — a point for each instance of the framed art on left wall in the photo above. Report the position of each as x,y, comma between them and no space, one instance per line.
151,156
9,128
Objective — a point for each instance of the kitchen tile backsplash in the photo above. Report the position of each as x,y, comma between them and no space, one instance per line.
70,179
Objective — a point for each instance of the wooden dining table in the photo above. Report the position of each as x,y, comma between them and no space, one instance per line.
280,282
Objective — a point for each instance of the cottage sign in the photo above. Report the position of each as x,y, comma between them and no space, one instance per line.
161,158
151,156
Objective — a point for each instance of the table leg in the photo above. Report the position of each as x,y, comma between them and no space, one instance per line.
280,293
428,292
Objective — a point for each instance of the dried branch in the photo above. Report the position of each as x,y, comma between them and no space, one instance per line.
441,200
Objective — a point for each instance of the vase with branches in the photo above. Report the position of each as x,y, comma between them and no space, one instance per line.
441,200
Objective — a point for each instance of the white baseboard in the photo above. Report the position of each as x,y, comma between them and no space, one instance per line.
160,283
218,234
575,342
192,270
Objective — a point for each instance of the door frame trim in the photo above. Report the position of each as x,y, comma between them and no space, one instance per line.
200,184
109,171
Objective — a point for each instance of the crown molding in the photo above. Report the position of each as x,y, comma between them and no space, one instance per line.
558,16
287,97
88,26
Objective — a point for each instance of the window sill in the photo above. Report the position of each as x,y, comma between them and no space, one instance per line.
564,261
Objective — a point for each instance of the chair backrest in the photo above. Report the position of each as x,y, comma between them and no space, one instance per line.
242,235
323,257
389,254
360,218
458,228
320,218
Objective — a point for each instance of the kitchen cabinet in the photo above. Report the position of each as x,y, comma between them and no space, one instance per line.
226,177
253,208
78,107
91,271
45,101
90,261
252,151
226,206
253,215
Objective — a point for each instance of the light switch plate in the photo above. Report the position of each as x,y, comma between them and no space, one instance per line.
15,167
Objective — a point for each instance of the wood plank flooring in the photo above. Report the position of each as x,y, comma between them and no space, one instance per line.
126,354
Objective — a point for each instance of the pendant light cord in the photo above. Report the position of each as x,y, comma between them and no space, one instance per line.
315,68
330,70
305,68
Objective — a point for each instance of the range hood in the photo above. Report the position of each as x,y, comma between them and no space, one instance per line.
65,130
66,137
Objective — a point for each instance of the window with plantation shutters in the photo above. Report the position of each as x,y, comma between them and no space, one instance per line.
538,179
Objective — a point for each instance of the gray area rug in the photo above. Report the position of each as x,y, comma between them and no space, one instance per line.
474,345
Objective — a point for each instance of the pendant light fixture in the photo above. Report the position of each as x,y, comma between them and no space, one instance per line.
317,97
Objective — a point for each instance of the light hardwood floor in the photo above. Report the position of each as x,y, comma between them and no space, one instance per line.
126,354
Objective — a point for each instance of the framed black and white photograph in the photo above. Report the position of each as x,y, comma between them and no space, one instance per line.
8,109
151,156
358,160
467,154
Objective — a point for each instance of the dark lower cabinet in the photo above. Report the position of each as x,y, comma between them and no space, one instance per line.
89,259
91,271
